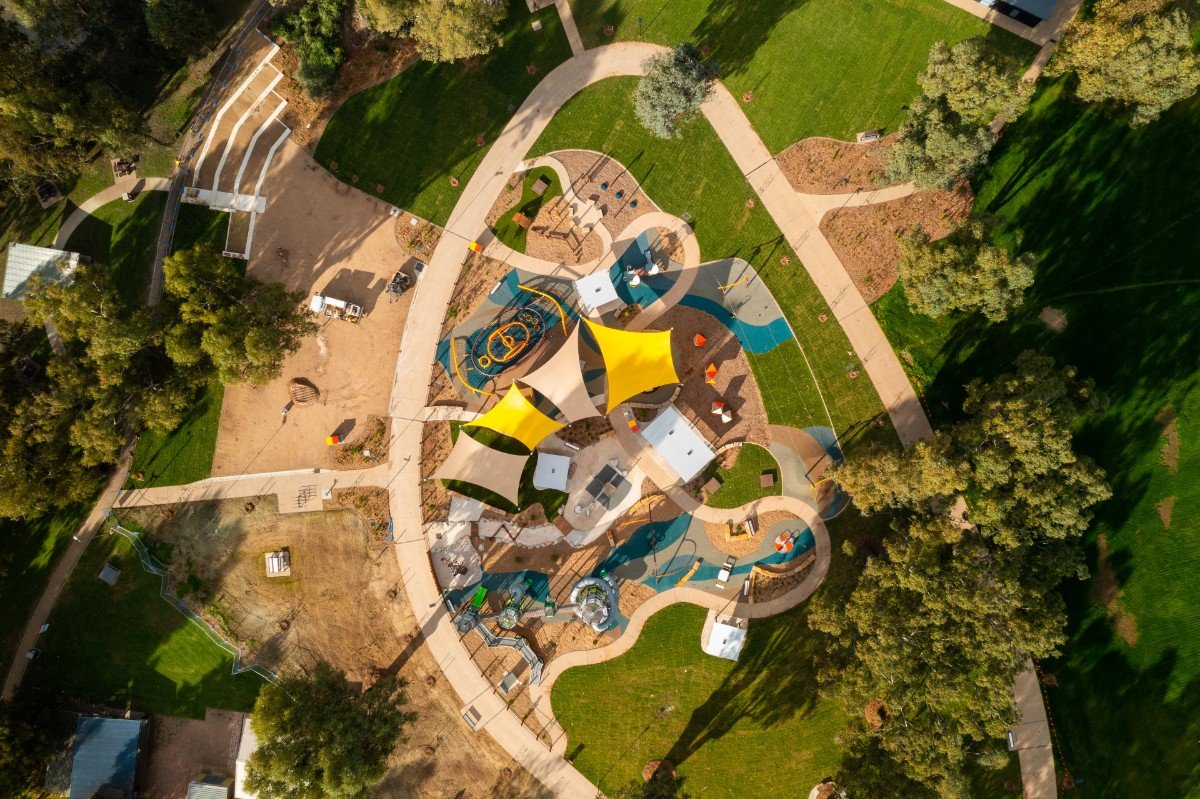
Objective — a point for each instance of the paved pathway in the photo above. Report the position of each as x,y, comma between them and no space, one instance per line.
62,571
286,485
569,27
103,198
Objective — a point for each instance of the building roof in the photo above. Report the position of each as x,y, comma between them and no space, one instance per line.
596,291
679,443
480,465
246,747
26,260
1042,9
516,417
209,786
550,471
725,640
633,362
104,757
560,380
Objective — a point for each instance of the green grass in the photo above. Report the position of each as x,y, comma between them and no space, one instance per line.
184,455
124,236
196,224
695,174
124,646
1109,212
815,67
30,551
740,483
508,231
414,132
739,729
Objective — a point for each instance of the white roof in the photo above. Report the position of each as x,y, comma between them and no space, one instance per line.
26,260
680,444
596,291
246,747
550,471
725,641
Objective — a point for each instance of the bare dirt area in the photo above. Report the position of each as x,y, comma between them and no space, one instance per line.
495,663
734,385
818,165
867,238
599,179
370,58
770,585
1106,591
718,534
340,603
182,748
1170,446
318,235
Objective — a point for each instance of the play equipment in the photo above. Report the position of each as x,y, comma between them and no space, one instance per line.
468,617
595,601
786,541
725,573
717,407
475,247
332,440
699,340
334,308
690,573
710,374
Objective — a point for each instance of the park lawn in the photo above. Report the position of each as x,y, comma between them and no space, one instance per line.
124,646
196,224
184,455
739,729
124,236
740,483
694,175
508,231
1108,211
31,549
816,68
412,133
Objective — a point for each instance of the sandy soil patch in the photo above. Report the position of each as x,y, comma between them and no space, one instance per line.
1166,510
555,237
1170,447
735,383
739,547
339,242
589,170
1106,591
338,604
370,58
182,748
867,238
818,165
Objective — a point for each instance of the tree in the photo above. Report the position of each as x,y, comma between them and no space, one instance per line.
447,30
388,16
936,148
24,751
672,90
315,31
977,82
881,480
321,739
963,272
661,785
180,26
1136,55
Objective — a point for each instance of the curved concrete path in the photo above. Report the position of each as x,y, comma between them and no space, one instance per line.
103,198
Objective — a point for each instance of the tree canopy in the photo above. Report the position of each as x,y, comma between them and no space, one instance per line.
674,87
319,738
447,30
935,630
315,30
1135,55
976,80
964,271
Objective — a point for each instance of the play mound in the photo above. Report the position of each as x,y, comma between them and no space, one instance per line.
302,391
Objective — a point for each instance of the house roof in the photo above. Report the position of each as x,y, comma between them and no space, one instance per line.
104,757
596,291
679,443
516,417
26,260
550,471
725,641
634,361
480,465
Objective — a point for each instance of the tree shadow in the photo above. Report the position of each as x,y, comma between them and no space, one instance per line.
736,29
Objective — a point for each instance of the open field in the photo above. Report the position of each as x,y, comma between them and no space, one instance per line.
412,133
1106,209
123,646
124,237
815,68
695,175
733,729
184,455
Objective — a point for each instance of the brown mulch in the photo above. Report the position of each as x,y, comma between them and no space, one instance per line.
419,240
818,165
370,503
867,238
374,437
586,432
770,585
435,446
588,170
555,237
369,60
479,276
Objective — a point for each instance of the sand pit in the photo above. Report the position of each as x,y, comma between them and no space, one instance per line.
339,604
599,179
336,241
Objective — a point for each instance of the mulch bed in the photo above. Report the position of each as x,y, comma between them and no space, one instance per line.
818,165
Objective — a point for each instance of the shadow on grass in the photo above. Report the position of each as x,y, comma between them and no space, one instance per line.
736,29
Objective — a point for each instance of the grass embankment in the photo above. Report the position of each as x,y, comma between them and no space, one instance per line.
695,174
412,133
732,729
124,646
506,229
815,68
741,482
1107,210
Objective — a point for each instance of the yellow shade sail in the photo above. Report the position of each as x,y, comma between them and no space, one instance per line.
634,362
516,417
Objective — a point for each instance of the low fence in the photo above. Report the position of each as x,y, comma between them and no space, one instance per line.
155,567
519,644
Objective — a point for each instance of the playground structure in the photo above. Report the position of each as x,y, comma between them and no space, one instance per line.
594,600
335,309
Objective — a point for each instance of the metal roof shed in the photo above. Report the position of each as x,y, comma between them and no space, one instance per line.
26,260
104,757
550,471
679,443
596,291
